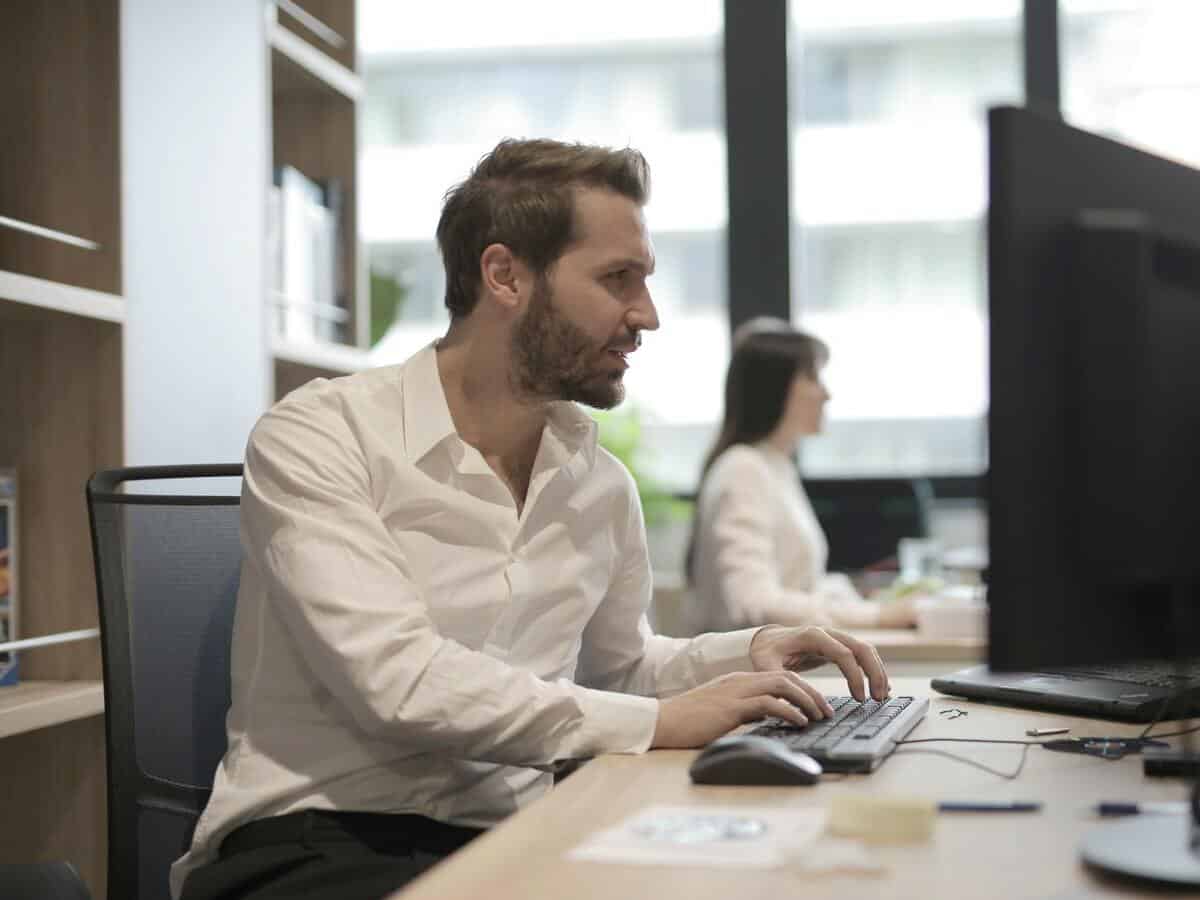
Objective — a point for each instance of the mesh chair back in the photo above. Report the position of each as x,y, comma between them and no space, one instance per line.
167,571
864,518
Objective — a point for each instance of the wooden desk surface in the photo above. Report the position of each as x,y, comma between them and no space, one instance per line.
984,855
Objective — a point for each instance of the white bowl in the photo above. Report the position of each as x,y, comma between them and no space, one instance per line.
956,612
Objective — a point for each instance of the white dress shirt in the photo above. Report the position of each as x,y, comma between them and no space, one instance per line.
760,552
406,641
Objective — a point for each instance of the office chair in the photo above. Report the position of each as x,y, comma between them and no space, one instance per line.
167,573
42,881
864,518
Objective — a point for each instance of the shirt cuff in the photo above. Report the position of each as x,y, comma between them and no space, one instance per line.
720,652
615,722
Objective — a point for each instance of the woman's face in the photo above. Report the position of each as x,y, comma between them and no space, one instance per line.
804,413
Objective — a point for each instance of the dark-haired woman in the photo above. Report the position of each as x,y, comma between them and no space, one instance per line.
758,553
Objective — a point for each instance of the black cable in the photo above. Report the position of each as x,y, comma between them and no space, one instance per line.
1162,711
1191,730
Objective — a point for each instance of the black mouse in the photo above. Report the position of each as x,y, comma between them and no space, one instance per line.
751,759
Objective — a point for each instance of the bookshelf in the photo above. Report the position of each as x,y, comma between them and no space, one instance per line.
61,331
315,94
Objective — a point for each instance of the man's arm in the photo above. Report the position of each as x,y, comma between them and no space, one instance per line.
714,682
345,591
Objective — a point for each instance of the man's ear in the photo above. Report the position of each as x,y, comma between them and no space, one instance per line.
503,275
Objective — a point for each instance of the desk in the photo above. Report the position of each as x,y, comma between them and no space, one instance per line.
985,855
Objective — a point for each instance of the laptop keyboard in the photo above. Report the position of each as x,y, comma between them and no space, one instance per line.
856,738
1148,673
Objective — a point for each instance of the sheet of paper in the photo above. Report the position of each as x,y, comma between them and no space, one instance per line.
705,835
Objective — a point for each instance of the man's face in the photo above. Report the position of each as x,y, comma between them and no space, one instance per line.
585,316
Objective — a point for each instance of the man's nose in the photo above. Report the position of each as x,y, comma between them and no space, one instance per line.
643,315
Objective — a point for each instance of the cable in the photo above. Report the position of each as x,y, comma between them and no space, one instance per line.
971,762
1191,730
971,741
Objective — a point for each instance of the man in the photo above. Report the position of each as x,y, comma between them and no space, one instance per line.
446,581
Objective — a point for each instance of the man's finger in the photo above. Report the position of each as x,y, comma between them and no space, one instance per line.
869,663
765,705
786,686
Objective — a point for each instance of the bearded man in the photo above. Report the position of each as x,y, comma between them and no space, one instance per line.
445,579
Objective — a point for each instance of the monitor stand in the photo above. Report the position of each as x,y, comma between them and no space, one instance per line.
1149,846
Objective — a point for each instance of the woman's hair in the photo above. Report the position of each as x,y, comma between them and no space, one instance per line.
767,355
522,195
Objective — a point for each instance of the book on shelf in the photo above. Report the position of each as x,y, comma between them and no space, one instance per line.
305,259
8,573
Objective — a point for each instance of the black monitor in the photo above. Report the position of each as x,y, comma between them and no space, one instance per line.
1093,485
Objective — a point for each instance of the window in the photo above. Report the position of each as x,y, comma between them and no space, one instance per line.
889,183
1130,70
445,83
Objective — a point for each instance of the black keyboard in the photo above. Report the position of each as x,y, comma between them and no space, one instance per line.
856,738
1148,673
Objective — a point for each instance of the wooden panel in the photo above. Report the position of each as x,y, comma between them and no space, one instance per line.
32,705
55,805
338,15
316,131
290,375
60,392
61,137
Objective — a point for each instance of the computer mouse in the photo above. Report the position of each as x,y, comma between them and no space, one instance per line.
752,759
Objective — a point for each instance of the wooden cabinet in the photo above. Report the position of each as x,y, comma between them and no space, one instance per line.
61,414
315,107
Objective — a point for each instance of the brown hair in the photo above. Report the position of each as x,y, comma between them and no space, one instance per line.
521,194
767,355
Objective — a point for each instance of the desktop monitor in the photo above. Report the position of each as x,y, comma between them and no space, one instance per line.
1093,485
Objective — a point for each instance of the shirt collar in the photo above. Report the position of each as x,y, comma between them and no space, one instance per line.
574,429
427,420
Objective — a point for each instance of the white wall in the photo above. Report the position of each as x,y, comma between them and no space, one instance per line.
195,159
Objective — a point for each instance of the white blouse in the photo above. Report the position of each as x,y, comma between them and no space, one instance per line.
760,552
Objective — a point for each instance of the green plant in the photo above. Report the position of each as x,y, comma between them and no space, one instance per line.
387,299
621,435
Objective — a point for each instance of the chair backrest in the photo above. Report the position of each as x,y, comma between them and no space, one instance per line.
42,881
864,518
167,572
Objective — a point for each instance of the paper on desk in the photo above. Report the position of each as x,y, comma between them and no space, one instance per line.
705,835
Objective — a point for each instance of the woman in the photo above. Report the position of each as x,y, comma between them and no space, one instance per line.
757,553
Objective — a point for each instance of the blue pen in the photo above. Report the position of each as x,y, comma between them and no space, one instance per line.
988,807
1133,809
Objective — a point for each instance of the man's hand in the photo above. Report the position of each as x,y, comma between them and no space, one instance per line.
703,714
797,649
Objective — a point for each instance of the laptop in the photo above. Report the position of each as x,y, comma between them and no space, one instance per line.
1130,692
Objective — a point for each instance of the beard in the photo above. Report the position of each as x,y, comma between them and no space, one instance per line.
554,359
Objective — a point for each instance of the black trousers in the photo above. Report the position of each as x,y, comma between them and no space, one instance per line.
319,854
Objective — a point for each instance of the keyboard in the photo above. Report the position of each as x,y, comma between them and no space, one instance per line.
1148,673
856,738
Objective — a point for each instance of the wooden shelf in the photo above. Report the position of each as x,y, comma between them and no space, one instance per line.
315,129
39,704
338,359
35,294
310,70
313,21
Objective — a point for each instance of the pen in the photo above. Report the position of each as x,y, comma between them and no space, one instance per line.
988,807
1133,809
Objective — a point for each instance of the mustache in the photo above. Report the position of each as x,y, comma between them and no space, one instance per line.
630,344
